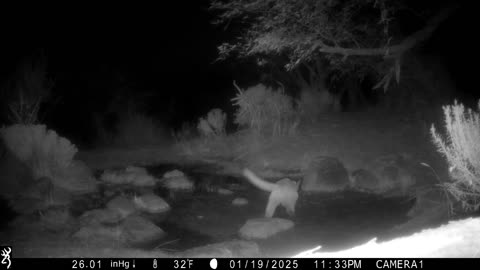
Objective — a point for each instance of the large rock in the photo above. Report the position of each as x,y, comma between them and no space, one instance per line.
100,216
262,228
144,180
325,174
396,174
365,181
177,181
229,249
131,175
151,203
114,177
133,230
122,205
100,233
174,173
138,230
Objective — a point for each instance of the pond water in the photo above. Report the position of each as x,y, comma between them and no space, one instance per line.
333,220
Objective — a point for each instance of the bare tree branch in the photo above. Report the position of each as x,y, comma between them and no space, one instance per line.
389,51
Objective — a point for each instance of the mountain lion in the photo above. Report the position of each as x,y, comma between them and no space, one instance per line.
283,192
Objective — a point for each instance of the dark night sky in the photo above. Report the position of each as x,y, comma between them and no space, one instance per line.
164,53
166,50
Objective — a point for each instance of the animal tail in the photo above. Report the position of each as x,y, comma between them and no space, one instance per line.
257,181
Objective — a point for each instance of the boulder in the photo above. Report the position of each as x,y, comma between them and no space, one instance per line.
114,177
151,203
365,181
325,174
177,182
143,180
122,205
133,230
131,175
139,230
100,216
262,228
174,173
100,233
395,173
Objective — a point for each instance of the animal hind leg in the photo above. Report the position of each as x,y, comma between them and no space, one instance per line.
271,207
290,209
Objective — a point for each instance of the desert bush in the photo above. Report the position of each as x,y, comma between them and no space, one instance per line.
461,147
185,137
213,124
29,90
204,128
48,156
42,150
263,109
24,110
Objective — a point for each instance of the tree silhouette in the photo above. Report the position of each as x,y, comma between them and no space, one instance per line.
353,35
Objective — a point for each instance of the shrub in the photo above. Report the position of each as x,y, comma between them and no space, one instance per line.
30,89
42,150
24,110
48,156
213,124
461,148
263,109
